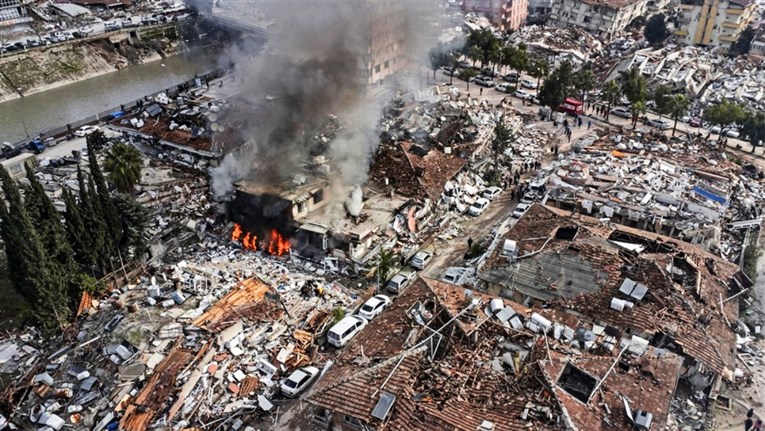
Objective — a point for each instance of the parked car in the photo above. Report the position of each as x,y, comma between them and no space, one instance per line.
374,306
112,26
421,259
523,95
299,380
732,133
398,282
511,77
85,131
504,88
659,123
491,193
622,112
344,330
450,71
478,207
715,130
488,71
520,210
527,83
695,122
463,64
484,81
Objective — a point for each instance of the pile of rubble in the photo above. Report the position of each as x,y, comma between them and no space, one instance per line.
200,341
571,43
667,187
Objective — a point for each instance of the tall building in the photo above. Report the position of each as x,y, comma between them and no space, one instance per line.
505,14
386,41
713,22
603,18
13,14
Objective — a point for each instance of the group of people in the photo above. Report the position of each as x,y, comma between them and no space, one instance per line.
750,424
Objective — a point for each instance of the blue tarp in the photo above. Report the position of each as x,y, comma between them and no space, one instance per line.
709,195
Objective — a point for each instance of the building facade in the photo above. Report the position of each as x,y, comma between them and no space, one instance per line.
386,45
541,7
505,14
13,13
603,18
713,22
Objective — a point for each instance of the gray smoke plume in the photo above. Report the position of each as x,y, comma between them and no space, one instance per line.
308,72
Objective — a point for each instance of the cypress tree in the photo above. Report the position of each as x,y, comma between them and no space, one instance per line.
47,221
135,218
109,211
37,278
78,236
96,235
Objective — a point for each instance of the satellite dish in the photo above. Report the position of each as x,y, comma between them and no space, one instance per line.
213,117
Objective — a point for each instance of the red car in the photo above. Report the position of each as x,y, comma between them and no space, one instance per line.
695,122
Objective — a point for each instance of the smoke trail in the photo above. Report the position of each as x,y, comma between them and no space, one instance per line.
310,70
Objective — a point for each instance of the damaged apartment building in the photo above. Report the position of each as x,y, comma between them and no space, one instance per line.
603,18
445,357
671,298
696,194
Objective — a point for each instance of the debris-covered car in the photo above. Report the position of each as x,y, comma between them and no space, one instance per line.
299,381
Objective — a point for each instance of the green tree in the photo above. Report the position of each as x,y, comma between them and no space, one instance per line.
123,164
635,88
436,60
744,43
485,41
753,128
678,107
135,220
662,99
502,135
611,94
656,30
539,69
108,211
557,86
386,264
78,236
96,140
724,115
33,274
638,22
475,54
96,232
47,221
467,74
519,60
584,82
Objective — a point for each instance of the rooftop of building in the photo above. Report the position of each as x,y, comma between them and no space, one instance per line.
580,264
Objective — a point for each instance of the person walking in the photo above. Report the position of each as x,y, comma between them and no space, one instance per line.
589,124
758,425
750,413
480,91
748,424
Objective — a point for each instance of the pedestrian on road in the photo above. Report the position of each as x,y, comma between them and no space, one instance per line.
589,124
748,424
480,91
758,425
750,413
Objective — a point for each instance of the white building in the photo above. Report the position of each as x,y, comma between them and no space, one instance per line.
714,22
603,18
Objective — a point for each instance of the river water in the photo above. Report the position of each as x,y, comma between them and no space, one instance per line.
57,107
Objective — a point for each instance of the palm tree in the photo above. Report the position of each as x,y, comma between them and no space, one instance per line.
467,75
584,82
387,263
436,60
612,93
678,107
519,61
474,53
123,163
638,108
539,69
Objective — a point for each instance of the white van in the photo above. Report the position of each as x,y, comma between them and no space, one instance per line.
344,330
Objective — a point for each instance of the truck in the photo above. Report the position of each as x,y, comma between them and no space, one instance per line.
36,145
571,106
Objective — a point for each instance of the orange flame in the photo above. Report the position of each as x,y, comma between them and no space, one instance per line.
236,233
277,244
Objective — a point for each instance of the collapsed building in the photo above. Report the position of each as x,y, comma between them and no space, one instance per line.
444,357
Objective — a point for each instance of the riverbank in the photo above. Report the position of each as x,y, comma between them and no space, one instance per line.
37,71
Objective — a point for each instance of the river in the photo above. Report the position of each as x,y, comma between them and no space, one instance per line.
57,107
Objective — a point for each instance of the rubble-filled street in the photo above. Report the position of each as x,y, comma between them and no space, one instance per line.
429,250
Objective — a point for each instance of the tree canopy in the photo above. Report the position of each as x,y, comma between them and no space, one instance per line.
656,30
724,115
123,164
